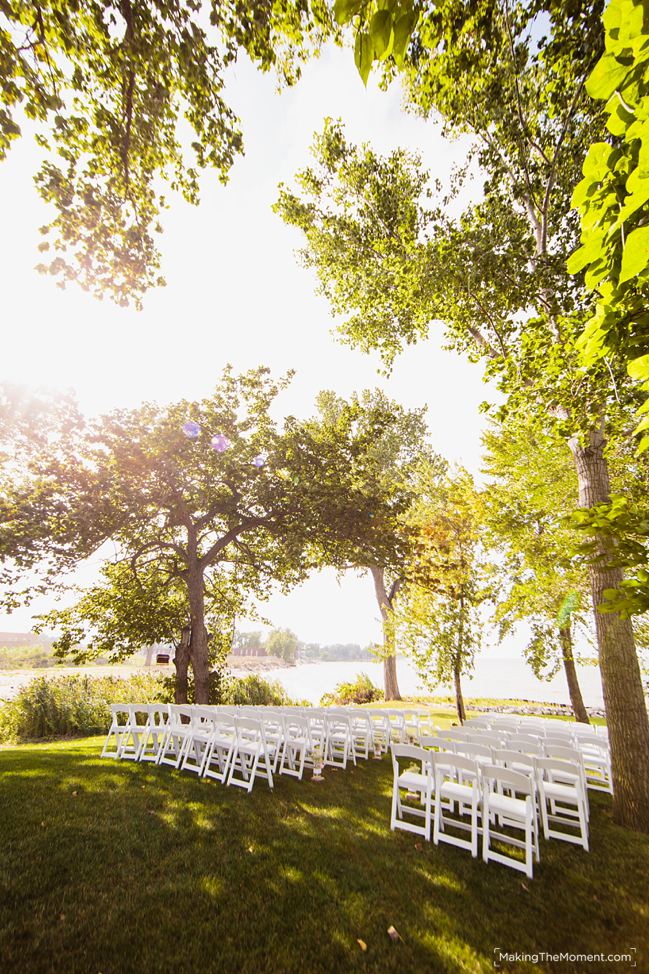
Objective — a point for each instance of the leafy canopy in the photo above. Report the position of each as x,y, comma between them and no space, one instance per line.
613,199
114,90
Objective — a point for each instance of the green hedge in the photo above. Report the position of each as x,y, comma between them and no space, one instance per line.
78,705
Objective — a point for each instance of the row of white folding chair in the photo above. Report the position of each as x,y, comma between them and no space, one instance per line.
593,749
520,761
445,781
595,768
490,796
230,749
131,725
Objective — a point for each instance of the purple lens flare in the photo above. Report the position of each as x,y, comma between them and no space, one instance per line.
191,429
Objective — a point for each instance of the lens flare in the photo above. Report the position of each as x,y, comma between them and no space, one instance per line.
191,430
220,443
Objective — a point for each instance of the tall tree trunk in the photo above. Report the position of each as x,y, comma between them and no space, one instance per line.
626,710
150,650
576,699
385,600
199,642
457,680
181,662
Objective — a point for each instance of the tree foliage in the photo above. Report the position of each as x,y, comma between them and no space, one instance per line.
109,88
438,621
282,643
613,198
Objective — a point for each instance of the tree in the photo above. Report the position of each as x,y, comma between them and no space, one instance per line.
439,620
44,525
127,611
106,87
282,643
365,454
613,202
541,575
193,496
392,261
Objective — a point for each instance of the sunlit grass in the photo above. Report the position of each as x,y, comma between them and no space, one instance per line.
120,867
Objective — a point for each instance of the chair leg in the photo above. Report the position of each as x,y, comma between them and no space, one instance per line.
486,822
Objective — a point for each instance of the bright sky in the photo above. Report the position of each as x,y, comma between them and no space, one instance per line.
237,294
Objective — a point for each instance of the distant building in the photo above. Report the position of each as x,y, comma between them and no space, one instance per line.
248,651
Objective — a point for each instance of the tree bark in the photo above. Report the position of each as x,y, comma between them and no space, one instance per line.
391,686
626,711
199,641
457,680
576,699
181,662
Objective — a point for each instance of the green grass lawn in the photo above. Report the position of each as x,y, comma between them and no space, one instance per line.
115,867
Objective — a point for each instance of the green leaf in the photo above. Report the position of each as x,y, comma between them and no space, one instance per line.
403,28
344,10
606,76
636,254
639,368
363,55
381,32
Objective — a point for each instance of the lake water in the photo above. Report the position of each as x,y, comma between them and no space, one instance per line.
493,677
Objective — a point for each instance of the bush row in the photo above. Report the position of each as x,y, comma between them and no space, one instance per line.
78,705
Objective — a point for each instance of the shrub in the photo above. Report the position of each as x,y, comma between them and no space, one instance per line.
71,705
362,690
253,691
77,705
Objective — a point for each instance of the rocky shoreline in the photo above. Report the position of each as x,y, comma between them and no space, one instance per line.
532,708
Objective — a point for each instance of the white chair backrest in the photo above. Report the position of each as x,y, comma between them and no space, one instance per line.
498,776
471,750
557,769
410,752
456,766
515,759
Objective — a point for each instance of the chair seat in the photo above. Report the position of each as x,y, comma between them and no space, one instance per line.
414,781
453,789
508,805
555,789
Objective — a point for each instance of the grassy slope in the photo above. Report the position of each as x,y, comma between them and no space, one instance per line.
118,867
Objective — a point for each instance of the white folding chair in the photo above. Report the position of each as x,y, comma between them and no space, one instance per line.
397,720
526,745
252,756
381,731
136,728
297,745
361,731
220,748
509,800
338,743
417,781
178,732
597,764
119,727
411,724
560,788
457,782
475,752
155,732
566,753
198,740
